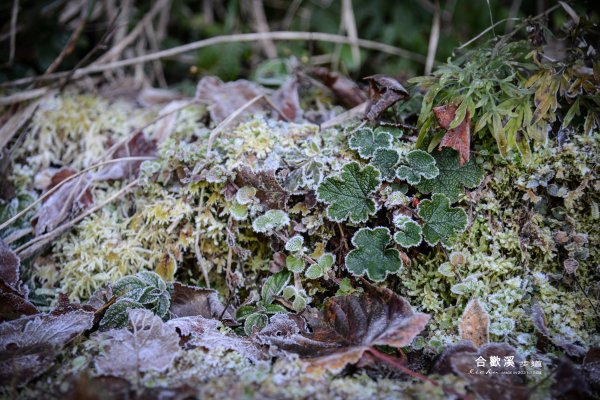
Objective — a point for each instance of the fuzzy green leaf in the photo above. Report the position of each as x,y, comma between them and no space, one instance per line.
441,221
270,221
371,255
348,194
315,271
385,160
408,233
274,309
294,244
326,261
453,177
116,315
420,165
366,141
274,285
243,312
294,264
146,289
255,322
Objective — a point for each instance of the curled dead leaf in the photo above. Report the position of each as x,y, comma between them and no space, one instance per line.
384,92
349,326
458,138
189,301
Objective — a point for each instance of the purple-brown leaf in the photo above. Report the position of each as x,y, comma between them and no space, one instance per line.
349,326
384,92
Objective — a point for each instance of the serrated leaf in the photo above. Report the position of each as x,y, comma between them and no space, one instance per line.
441,221
270,221
348,194
255,322
116,315
420,165
385,160
453,177
371,255
294,264
408,233
274,285
243,312
366,141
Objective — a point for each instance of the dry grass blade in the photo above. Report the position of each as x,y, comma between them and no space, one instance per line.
31,247
434,37
15,123
242,37
228,120
67,180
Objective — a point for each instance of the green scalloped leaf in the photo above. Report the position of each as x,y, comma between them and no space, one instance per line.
314,272
385,160
371,255
366,141
442,222
453,177
348,194
294,244
420,165
294,264
255,322
270,221
409,233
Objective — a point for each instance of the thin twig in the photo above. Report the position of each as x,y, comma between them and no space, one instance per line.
13,31
71,43
396,364
351,30
216,40
261,25
228,120
33,245
63,182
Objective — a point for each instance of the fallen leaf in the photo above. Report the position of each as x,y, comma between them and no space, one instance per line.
189,301
151,345
475,324
504,384
14,301
384,92
458,138
287,100
73,196
569,382
203,332
269,190
539,322
225,98
349,326
138,146
29,345
345,89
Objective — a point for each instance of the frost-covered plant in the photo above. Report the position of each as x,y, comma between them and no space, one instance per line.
144,290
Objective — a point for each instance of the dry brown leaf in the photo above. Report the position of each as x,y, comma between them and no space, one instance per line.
14,301
475,324
345,89
287,100
539,322
384,92
28,345
189,301
138,146
73,196
349,326
269,190
458,138
504,384
225,98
